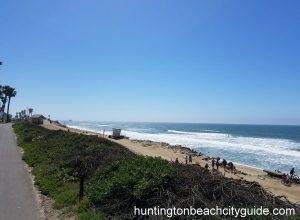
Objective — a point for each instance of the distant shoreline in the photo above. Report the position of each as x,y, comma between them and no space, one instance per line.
202,123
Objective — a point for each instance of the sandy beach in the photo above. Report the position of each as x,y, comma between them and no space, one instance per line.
165,151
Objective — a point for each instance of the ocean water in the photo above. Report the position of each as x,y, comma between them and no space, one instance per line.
262,146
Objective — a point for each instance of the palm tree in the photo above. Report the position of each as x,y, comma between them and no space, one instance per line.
1,97
20,116
9,92
30,110
3,100
4,91
1,91
23,114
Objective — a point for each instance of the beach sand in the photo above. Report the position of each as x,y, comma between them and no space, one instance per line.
165,151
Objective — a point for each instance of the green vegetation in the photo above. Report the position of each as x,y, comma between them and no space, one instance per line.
96,178
134,178
91,215
59,158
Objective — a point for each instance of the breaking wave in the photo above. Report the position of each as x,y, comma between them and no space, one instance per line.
258,152
266,153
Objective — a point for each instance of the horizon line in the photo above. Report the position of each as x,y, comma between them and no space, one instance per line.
166,122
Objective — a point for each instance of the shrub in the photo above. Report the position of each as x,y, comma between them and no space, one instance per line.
27,138
84,205
91,215
135,177
66,198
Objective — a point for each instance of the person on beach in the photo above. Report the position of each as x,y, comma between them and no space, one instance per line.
190,158
285,179
206,166
292,172
186,159
176,160
213,163
217,164
231,167
224,163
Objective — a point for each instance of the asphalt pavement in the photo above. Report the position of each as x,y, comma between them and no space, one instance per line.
17,197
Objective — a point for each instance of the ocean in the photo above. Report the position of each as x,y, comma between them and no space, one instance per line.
274,147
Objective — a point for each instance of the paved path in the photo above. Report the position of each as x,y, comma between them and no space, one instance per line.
17,198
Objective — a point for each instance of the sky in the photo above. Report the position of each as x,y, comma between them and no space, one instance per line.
154,61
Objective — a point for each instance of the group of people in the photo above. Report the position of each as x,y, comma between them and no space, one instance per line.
287,179
217,163
188,159
214,163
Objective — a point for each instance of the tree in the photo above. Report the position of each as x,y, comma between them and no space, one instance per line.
9,92
1,97
4,91
3,100
1,94
83,160
20,116
23,114
30,110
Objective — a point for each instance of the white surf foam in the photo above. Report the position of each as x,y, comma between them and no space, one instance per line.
192,133
84,128
257,152
96,125
261,146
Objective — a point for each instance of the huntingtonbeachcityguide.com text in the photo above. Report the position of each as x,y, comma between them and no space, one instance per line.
216,211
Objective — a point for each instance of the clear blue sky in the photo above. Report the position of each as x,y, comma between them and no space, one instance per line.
177,61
